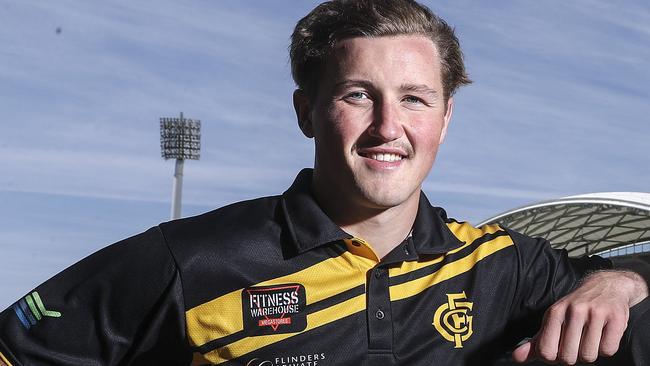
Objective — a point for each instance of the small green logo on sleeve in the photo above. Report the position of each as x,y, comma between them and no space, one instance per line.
31,309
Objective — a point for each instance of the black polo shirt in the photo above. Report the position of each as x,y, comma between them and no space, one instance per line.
274,282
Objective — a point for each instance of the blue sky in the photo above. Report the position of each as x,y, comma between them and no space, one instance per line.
559,107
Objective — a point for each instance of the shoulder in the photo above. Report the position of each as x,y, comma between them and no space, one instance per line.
229,228
493,235
465,231
244,214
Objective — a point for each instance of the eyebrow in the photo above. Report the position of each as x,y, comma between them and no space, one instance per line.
419,88
353,82
413,88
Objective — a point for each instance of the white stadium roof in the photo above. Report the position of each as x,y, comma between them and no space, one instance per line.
584,224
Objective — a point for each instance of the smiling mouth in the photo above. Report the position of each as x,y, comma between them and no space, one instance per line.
384,157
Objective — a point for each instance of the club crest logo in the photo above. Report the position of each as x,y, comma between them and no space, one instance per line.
453,319
274,309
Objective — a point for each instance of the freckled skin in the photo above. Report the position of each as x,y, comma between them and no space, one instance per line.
377,95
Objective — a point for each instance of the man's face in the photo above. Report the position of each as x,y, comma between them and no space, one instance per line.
377,119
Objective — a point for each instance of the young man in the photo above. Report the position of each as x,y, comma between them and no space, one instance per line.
351,265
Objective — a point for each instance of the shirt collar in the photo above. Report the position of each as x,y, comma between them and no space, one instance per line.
430,234
310,227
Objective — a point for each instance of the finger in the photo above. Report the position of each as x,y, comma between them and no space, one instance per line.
524,352
591,336
571,335
548,339
612,334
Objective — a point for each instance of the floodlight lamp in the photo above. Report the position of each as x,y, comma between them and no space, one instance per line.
180,138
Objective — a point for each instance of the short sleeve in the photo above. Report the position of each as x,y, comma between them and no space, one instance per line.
121,305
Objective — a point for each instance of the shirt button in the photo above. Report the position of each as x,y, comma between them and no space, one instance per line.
406,250
379,314
378,273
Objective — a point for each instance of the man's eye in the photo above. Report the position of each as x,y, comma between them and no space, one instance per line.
413,100
357,95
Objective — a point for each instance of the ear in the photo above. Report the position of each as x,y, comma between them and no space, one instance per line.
302,107
447,119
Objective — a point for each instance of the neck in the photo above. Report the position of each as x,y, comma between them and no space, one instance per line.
382,228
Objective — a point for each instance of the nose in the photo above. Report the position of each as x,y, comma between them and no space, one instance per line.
386,124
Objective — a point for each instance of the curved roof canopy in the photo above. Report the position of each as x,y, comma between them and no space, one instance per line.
584,224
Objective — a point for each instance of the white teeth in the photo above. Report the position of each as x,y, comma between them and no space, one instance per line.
386,157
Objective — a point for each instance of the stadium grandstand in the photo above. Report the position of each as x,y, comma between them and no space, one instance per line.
608,224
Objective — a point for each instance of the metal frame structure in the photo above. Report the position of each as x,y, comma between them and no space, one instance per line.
585,224
180,139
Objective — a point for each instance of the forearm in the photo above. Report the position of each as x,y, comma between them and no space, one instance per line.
624,282
639,266
639,288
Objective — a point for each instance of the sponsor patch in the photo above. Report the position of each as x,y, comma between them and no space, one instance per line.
274,309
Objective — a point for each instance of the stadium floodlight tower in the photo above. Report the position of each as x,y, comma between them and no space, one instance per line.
180,139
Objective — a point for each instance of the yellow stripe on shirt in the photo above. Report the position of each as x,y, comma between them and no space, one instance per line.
223,316
463,231
314,320
450,270
3,358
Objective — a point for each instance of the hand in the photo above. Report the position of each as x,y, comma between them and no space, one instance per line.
588,322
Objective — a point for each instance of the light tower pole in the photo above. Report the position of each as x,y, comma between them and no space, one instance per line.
180,139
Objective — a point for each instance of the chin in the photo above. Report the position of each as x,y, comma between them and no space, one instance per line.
382,198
